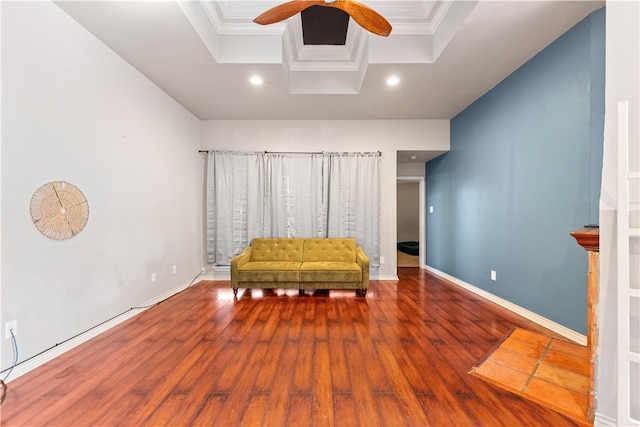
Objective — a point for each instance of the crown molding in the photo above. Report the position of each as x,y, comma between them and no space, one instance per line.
421,31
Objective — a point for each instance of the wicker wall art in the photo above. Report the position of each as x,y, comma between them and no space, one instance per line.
59,210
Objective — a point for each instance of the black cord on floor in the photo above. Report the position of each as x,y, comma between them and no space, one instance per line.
160,302
4,386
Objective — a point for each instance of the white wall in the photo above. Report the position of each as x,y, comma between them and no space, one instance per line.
408,196
73,110
622,83
386,136
411,169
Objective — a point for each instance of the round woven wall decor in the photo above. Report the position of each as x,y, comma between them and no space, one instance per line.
59,210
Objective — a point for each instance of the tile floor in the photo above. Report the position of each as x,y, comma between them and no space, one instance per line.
549,371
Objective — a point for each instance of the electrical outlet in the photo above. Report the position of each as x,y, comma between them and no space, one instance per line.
175,269
9,326
381,260
493,275
153,277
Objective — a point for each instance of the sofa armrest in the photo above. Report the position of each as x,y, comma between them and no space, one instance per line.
363,262
237,262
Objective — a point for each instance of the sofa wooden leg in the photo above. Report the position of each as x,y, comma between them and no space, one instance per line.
361,292
235,292
300,292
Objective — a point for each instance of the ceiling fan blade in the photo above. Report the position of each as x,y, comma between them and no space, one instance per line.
285,10
366,17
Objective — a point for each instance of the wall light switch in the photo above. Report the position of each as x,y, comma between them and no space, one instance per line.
175,269
493,275
430,209
381,260
153,277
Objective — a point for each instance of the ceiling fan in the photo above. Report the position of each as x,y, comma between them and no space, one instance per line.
366,17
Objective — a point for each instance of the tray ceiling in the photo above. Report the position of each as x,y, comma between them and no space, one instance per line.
445,55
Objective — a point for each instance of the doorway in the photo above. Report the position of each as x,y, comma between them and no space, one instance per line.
410,221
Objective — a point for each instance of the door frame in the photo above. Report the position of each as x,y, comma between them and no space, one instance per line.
421,215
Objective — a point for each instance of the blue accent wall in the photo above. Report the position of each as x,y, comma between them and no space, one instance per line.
523,172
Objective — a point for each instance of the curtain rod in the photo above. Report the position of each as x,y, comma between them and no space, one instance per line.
304,152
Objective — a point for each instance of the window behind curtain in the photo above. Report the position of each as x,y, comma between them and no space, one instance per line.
291,195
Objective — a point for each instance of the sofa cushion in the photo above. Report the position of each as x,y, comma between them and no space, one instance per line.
269,271
330,271
316,250
265,249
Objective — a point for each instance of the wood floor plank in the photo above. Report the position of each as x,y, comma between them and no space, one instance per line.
321,320
272,360
239,392
373,365
340,381
271,322
278,406
116,410
445,410
163,386
398,357
415,366
344,410
390,412
209,410
362,391
303,374
322,391
401,389
91,383
300,408
297,317
58,378
168,412
481,414
254,412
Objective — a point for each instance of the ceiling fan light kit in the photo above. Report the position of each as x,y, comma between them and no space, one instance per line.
324,26
364,16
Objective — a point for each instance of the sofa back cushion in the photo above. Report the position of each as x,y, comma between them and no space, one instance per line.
331,249
268,249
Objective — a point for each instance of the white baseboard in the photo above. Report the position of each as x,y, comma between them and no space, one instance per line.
540,320
50,354
604,421
218,272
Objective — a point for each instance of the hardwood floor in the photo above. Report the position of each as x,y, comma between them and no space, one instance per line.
406,260
398,357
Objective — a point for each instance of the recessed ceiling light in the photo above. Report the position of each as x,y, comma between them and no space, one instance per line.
413,157
393,80
255,80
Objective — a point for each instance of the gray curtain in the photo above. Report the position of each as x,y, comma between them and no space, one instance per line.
254,194
296,195
353,208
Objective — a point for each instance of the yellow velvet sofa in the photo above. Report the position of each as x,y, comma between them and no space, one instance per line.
314,263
